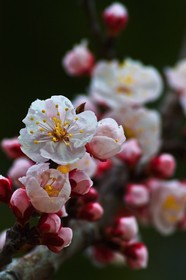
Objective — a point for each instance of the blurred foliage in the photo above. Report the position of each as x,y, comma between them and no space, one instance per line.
35,35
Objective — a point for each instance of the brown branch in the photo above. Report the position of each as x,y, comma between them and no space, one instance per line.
105,42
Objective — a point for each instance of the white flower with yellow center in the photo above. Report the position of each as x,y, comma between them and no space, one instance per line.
168,205
141,124
55,132
131,82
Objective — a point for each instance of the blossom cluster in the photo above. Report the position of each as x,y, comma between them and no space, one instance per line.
67,148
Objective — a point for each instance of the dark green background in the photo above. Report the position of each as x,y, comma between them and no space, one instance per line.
34,37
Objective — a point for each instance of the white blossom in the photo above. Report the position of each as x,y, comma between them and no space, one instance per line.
54,131
130,82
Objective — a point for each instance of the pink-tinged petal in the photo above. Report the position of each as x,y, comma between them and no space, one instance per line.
80,182
21,205
48,189
136,255
49,223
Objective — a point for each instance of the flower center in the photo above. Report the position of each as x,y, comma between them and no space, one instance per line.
129,133
59,133
171,203
49,188
51,191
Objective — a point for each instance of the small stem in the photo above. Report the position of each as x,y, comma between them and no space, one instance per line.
105,44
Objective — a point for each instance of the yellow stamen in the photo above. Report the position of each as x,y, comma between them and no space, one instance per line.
64,168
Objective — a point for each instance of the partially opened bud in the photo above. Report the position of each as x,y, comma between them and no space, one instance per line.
80,182
49,223
163,165
5,189
107,141
136,195
125,228
115,18
136,255
91,211
21,205
79,61
63,238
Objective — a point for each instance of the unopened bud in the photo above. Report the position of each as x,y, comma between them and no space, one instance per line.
163,165
136,255
115,18
91,211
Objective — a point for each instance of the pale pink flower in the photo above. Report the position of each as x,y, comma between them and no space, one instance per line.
167,205
121,84
54,131
79,61
48,189
108,139
115,18
19,169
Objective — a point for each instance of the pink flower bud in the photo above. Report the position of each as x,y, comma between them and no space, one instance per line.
136,255
107,141
49,223
115,18
102,254
91,211
5,189
62,212
80,182
103,166
125,228
136,195
91,196
19,169
163,165
21,205
63,238
130,152
11,147
79,61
